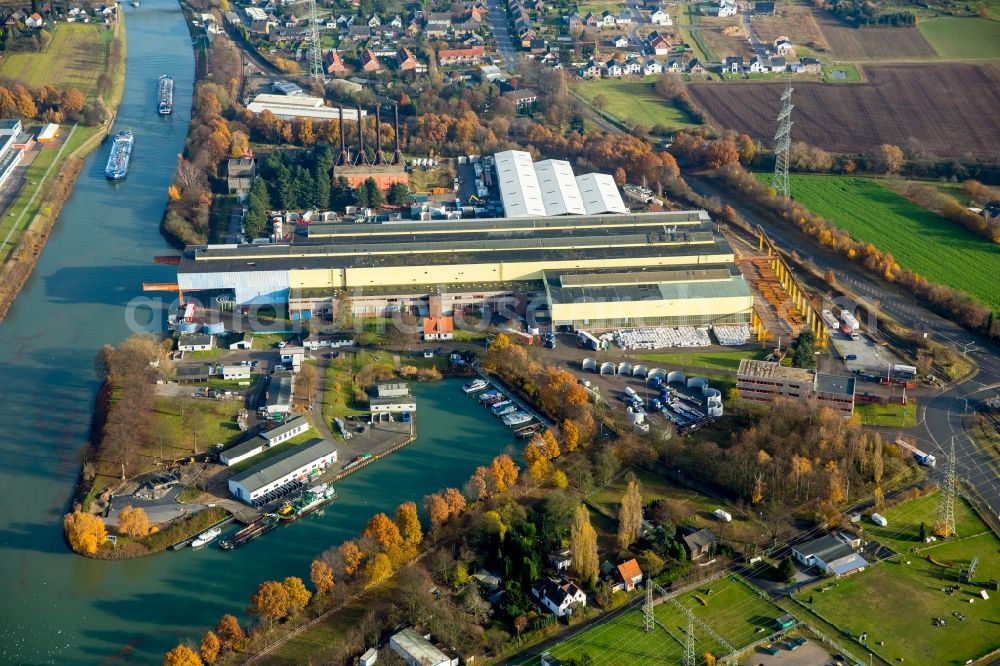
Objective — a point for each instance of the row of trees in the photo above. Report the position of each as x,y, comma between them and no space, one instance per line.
951,209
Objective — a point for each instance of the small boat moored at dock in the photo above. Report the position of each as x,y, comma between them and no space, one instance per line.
516,418
497,407
357,461
206,538
310,500
492,393
507,409
475,385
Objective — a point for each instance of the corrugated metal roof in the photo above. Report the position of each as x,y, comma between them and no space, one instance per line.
560,194
600,194
519,188
269,471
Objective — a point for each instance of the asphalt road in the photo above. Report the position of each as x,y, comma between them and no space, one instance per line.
501,34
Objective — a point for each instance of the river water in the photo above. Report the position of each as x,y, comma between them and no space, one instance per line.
55,607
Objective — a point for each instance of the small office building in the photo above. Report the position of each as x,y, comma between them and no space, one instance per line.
296,464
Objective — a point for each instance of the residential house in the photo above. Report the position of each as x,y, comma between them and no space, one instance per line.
660,17
624,18
614,69
830,555
733,65
777,64
467,27
536,45
758,64
632,67
699,543
561,560
591,70
396,22
607,19
695,67
190,342
374,21
369,61
659,44
559,597
334,63
523,98
34,21
626,576
675,66
574,20
810,66
438,24
621,42
359,33
723,9
471,55
438,328
652,67
406,61
590,20
783,47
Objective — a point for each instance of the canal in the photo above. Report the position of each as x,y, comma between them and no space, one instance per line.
58,608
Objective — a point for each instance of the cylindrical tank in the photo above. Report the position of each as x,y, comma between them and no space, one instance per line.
216,328
185,326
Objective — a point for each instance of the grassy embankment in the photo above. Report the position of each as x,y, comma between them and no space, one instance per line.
920,240
713,360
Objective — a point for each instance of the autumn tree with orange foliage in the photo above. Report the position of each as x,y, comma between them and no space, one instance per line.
408,523
378,569
298,595
133,522
505,473
321,576
182,655
570,435
210,647
383,531
269,602
437,509
230,633
85,532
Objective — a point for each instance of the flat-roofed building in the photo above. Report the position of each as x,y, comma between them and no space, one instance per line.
265,440
519,190
560,194
600,194
299,106
296,464
278,396
767,381
417,650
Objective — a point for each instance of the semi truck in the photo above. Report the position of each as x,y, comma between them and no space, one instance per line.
925,459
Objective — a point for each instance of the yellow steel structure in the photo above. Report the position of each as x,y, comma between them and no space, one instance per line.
791,285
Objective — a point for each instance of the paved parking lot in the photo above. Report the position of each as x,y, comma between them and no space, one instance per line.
867,356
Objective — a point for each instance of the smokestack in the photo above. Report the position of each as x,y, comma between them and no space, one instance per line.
378,135
345,157
362,158
397,157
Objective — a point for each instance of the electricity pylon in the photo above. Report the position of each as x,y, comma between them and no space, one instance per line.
316,71
945,525
783,142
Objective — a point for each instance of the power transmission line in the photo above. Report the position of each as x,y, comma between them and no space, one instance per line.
783,142
316,71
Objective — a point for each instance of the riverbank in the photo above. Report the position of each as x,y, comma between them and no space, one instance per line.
59,179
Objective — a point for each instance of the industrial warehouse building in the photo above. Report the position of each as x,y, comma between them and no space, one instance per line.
579,271
766,381
295,464
299,106
549,188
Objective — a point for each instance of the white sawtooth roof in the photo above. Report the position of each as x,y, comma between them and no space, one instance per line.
519,189
560,194
600,194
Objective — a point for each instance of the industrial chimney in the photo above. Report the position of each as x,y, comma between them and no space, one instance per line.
397,157
344,158
378,135
362,157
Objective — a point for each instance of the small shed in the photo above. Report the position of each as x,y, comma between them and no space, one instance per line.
784,622
48,133
368,658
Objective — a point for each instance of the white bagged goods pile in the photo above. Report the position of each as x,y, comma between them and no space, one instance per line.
660,338
732,336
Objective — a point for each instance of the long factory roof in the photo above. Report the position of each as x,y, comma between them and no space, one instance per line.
658,283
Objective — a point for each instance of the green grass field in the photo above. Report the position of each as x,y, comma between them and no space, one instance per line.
963,38
732,609
903,529
849,69
895,603
218,426
918,239
722,360
887,416
635,102
74,59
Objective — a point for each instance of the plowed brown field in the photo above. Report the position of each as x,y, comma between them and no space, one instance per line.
948,109
855,44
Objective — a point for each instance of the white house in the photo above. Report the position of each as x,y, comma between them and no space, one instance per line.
614,69
830,555
624,18
230,372
660,17
652,67
241,341
632,67
34,21
783,47
757,65
195,342
559,598
621,42
607,19
724,8
626,576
